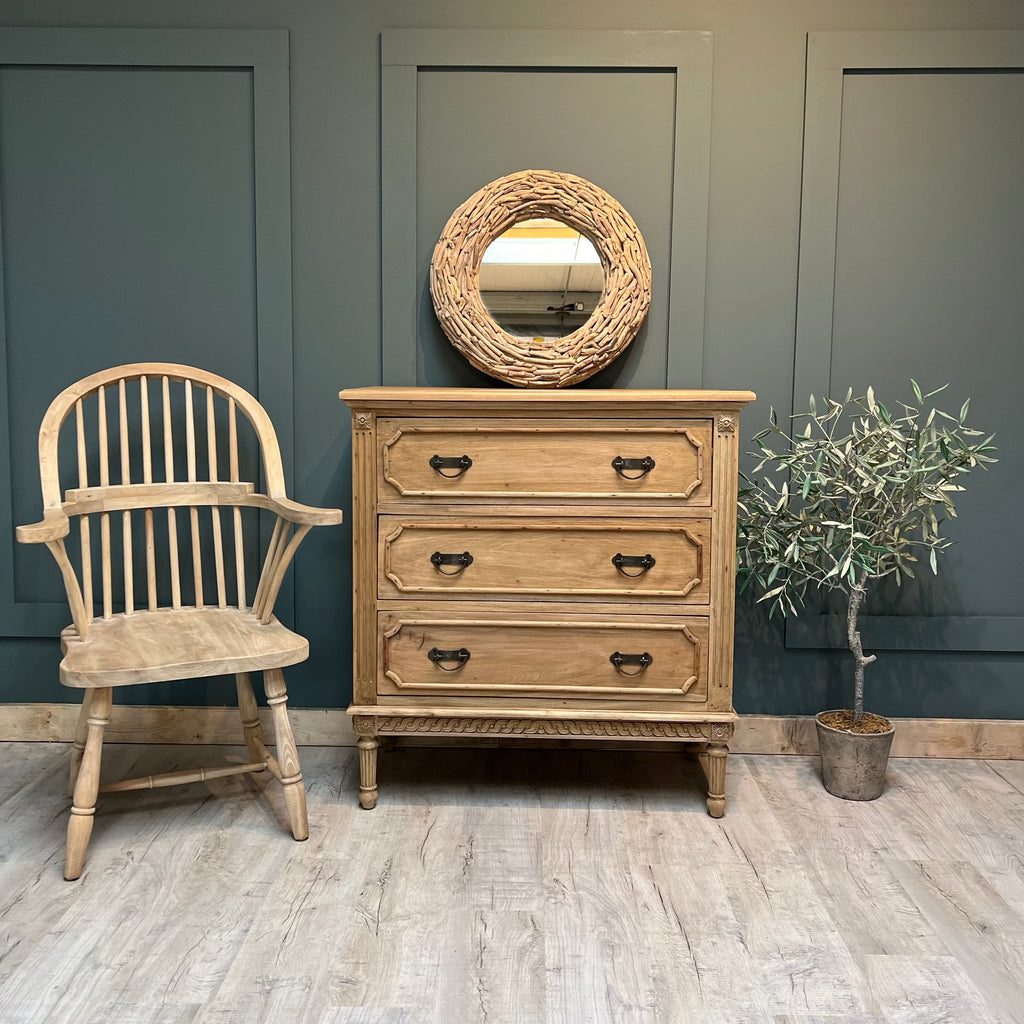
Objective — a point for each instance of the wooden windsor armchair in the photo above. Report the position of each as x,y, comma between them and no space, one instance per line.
154,617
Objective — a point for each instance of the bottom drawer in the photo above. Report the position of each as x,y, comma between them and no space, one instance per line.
429,653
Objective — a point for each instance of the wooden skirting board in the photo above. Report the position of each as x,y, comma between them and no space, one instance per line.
755,734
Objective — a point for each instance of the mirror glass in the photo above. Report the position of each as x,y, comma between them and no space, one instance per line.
541,279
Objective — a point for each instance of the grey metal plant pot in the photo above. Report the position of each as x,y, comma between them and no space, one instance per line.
853,764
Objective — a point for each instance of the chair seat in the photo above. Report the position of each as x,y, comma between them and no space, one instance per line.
176,643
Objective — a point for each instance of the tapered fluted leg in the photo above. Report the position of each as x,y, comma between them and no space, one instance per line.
368,771
251,727
87,784
78,749
287,754
715,769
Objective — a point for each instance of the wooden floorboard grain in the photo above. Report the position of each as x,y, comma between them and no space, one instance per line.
366,1015
512,886
915,990
144,1013
977,926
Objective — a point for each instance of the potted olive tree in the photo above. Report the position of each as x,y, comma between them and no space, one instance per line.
858,494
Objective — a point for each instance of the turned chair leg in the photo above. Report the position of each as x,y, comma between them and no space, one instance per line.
287,754
251,727
716,755
87,783
78,749
367,771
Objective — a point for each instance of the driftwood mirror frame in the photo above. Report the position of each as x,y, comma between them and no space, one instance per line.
488,213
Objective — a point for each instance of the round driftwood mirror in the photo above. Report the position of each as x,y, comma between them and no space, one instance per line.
515,349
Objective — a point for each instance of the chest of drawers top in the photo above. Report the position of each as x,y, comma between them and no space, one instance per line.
607,401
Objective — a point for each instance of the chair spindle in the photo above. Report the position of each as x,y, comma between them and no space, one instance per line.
104,516
83,521
193,512
147,478
128,553
172,526
218,540
237,512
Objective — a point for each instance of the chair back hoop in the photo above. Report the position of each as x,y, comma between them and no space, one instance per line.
137,452
70,400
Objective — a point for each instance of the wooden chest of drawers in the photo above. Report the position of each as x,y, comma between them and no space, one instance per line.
544,564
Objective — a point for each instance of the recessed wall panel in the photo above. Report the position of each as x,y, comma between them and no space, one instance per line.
127,198
613,127
930,284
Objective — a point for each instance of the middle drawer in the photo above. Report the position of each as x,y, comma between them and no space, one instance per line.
666,559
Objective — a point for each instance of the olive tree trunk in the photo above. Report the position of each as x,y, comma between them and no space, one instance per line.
857,592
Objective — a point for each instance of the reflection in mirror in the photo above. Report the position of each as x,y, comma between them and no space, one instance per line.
541,279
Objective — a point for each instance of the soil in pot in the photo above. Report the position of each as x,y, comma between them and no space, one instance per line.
869,723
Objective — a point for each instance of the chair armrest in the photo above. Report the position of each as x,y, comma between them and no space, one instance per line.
306,515
53,526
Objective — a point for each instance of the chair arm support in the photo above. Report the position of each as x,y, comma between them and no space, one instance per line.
53,526
282,547
279,557
306,515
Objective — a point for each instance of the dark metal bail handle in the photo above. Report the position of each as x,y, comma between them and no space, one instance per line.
461,560
437,656
645,465
641,562
642,660
460,463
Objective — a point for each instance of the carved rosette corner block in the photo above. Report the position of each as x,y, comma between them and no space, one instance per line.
726,424
362,421
362,725
487,214
721,732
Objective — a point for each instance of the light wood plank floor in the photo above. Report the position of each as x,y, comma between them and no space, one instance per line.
514,885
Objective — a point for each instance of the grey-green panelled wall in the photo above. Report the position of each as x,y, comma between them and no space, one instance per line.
258,191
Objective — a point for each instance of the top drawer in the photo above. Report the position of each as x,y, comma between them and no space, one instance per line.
632,461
